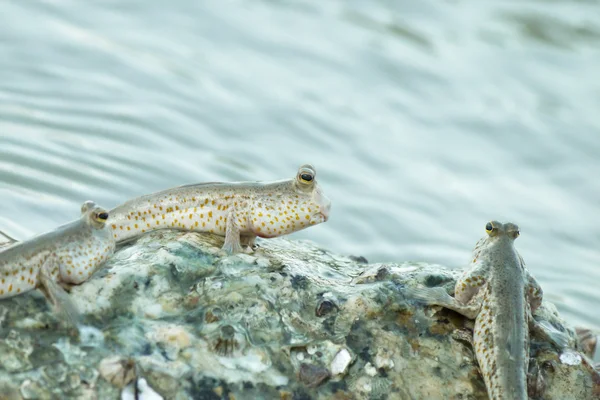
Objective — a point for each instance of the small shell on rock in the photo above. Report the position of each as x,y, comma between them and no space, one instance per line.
370,369
383,360
141,391
325,307
340,362
226,343
312,375
117,370
570,358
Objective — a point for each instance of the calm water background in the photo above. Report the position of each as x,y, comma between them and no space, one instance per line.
424,119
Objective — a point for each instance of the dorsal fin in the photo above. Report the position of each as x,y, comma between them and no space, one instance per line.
201,184
6,240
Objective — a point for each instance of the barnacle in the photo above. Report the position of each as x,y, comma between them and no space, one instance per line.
118,370
225,343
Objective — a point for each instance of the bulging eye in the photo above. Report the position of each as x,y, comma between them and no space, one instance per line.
517,233
306,177
489,227
306,174
103,216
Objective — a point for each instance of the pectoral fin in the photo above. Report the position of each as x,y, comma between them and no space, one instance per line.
546,331
232,243
57,296
439,297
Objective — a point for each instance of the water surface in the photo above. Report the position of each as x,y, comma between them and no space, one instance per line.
424,119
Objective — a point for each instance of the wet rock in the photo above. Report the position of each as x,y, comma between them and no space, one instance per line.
10,390
359,259
172,316
55,373
300,282
71,383
382,273
45,356
588,341
15,350
34,390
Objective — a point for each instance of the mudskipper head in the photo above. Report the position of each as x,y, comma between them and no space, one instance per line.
498,235
497,230
94,215
294,205
314,206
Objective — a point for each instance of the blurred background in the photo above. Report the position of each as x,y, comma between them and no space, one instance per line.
424,119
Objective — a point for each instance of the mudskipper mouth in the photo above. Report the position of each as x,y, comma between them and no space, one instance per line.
324,205
319,218
325,211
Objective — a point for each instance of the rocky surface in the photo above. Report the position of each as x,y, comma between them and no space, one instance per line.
171,316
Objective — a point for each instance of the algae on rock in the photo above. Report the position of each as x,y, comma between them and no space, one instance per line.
172,315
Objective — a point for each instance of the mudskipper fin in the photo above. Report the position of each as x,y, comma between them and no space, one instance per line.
546,331
58,297
6,240
431,296
439,297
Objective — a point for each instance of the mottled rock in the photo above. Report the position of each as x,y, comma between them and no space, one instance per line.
172,316
15,350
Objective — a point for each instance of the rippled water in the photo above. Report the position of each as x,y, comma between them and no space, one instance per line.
424,119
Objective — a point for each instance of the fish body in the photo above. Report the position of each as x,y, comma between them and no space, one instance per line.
501,296
501,333
68,255
239,211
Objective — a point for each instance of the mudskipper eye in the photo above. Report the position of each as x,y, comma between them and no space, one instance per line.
102,216
306,177
489,227
306,174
